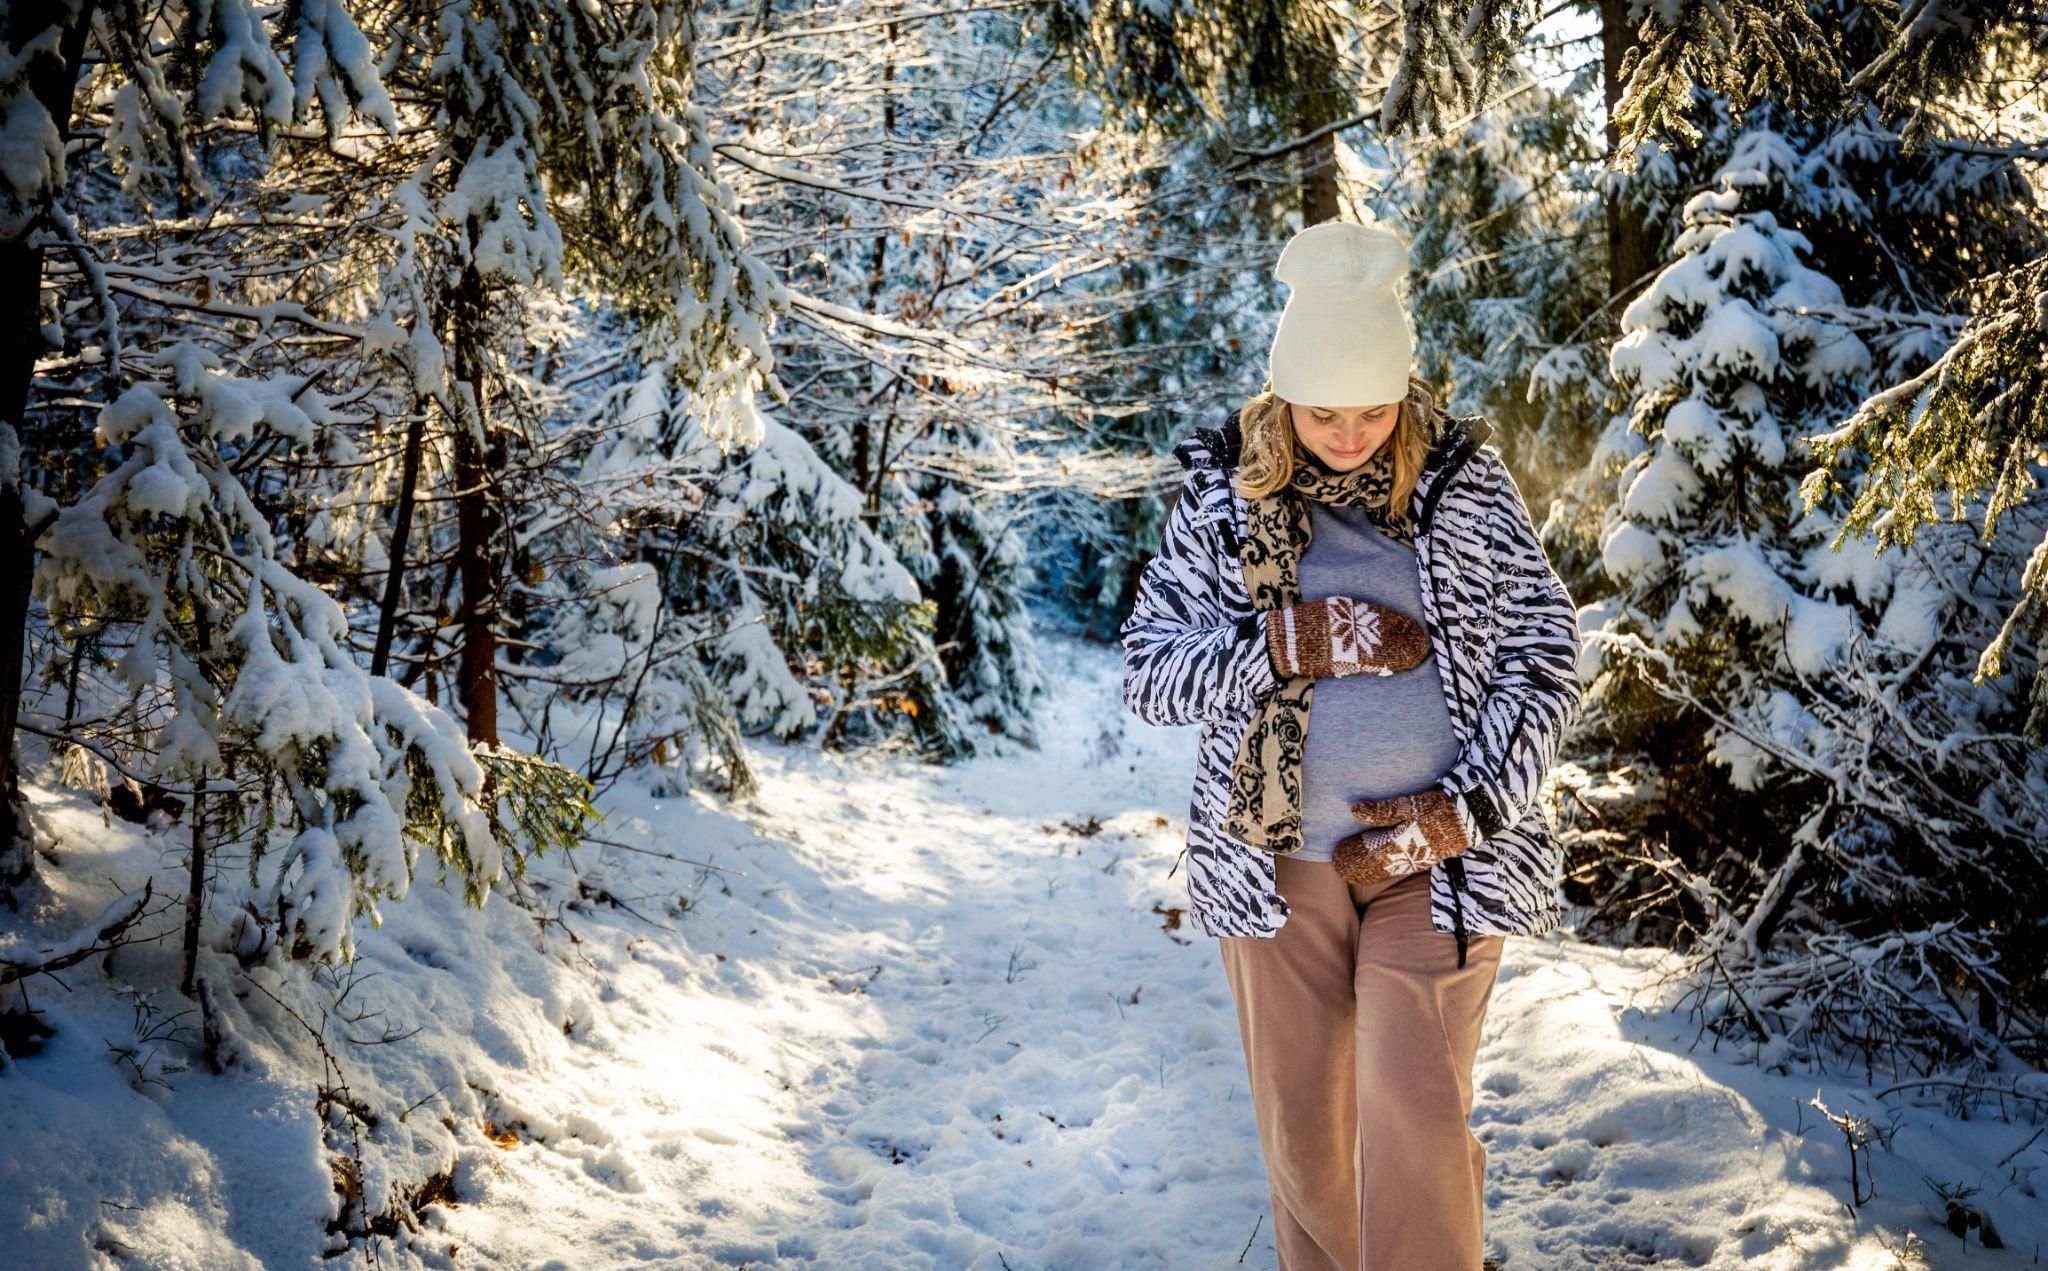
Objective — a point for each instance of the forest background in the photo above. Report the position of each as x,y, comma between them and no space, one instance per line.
414,418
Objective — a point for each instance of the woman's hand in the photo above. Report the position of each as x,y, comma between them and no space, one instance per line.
1404,836
1338,636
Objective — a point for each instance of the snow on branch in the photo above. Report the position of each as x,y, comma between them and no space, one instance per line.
18,962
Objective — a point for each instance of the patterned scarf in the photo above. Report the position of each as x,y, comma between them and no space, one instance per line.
1265,777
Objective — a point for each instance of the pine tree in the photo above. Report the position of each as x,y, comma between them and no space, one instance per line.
938,243
781,574
171,543
974,563
566,147
1502,299
1941,81
257,688
1770,672
228,66
1729,370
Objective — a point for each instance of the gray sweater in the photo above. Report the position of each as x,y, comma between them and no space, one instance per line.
1369,736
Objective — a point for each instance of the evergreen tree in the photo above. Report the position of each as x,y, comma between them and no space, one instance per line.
974,563
1880,157
783,577
1931,85
1772,674
189,652
246,672
227,65
1730,368
1502,300
937,242
539,105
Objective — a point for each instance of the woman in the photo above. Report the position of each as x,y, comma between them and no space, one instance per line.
1341,541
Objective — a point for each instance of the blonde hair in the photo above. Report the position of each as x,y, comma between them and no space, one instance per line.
1266,455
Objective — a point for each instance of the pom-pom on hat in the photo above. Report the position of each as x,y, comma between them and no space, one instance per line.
1344,338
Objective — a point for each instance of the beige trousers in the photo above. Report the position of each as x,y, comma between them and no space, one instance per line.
1360,1031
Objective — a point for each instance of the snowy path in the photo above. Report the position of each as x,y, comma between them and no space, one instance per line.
955,1034
936,1022
951,1030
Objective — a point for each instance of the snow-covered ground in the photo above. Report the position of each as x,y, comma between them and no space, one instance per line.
940,1017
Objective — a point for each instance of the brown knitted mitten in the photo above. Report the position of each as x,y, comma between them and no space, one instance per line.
1407,834
1338,636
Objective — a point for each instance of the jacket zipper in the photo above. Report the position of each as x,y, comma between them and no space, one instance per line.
1454,865
1231,543
1436,488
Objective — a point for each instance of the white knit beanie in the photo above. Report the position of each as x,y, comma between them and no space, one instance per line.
1344,338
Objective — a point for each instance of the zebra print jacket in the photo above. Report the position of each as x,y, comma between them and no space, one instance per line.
1501,625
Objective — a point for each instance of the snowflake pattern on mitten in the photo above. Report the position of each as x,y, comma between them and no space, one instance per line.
1404,835
1338,636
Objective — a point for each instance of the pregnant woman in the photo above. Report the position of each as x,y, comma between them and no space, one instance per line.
1342,542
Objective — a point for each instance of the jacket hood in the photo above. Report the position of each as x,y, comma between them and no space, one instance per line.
1220,446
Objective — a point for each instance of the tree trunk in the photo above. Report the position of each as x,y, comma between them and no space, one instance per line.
195,892
401,533
1319,183
1319,108
195,887
477,463
53,80
871,461
1629,245
16,844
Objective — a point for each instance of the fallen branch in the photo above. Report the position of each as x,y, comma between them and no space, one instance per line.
667,856
100,937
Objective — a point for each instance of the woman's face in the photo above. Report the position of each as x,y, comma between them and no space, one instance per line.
1344,437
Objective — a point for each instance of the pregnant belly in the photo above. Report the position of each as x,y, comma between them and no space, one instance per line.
1370,737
